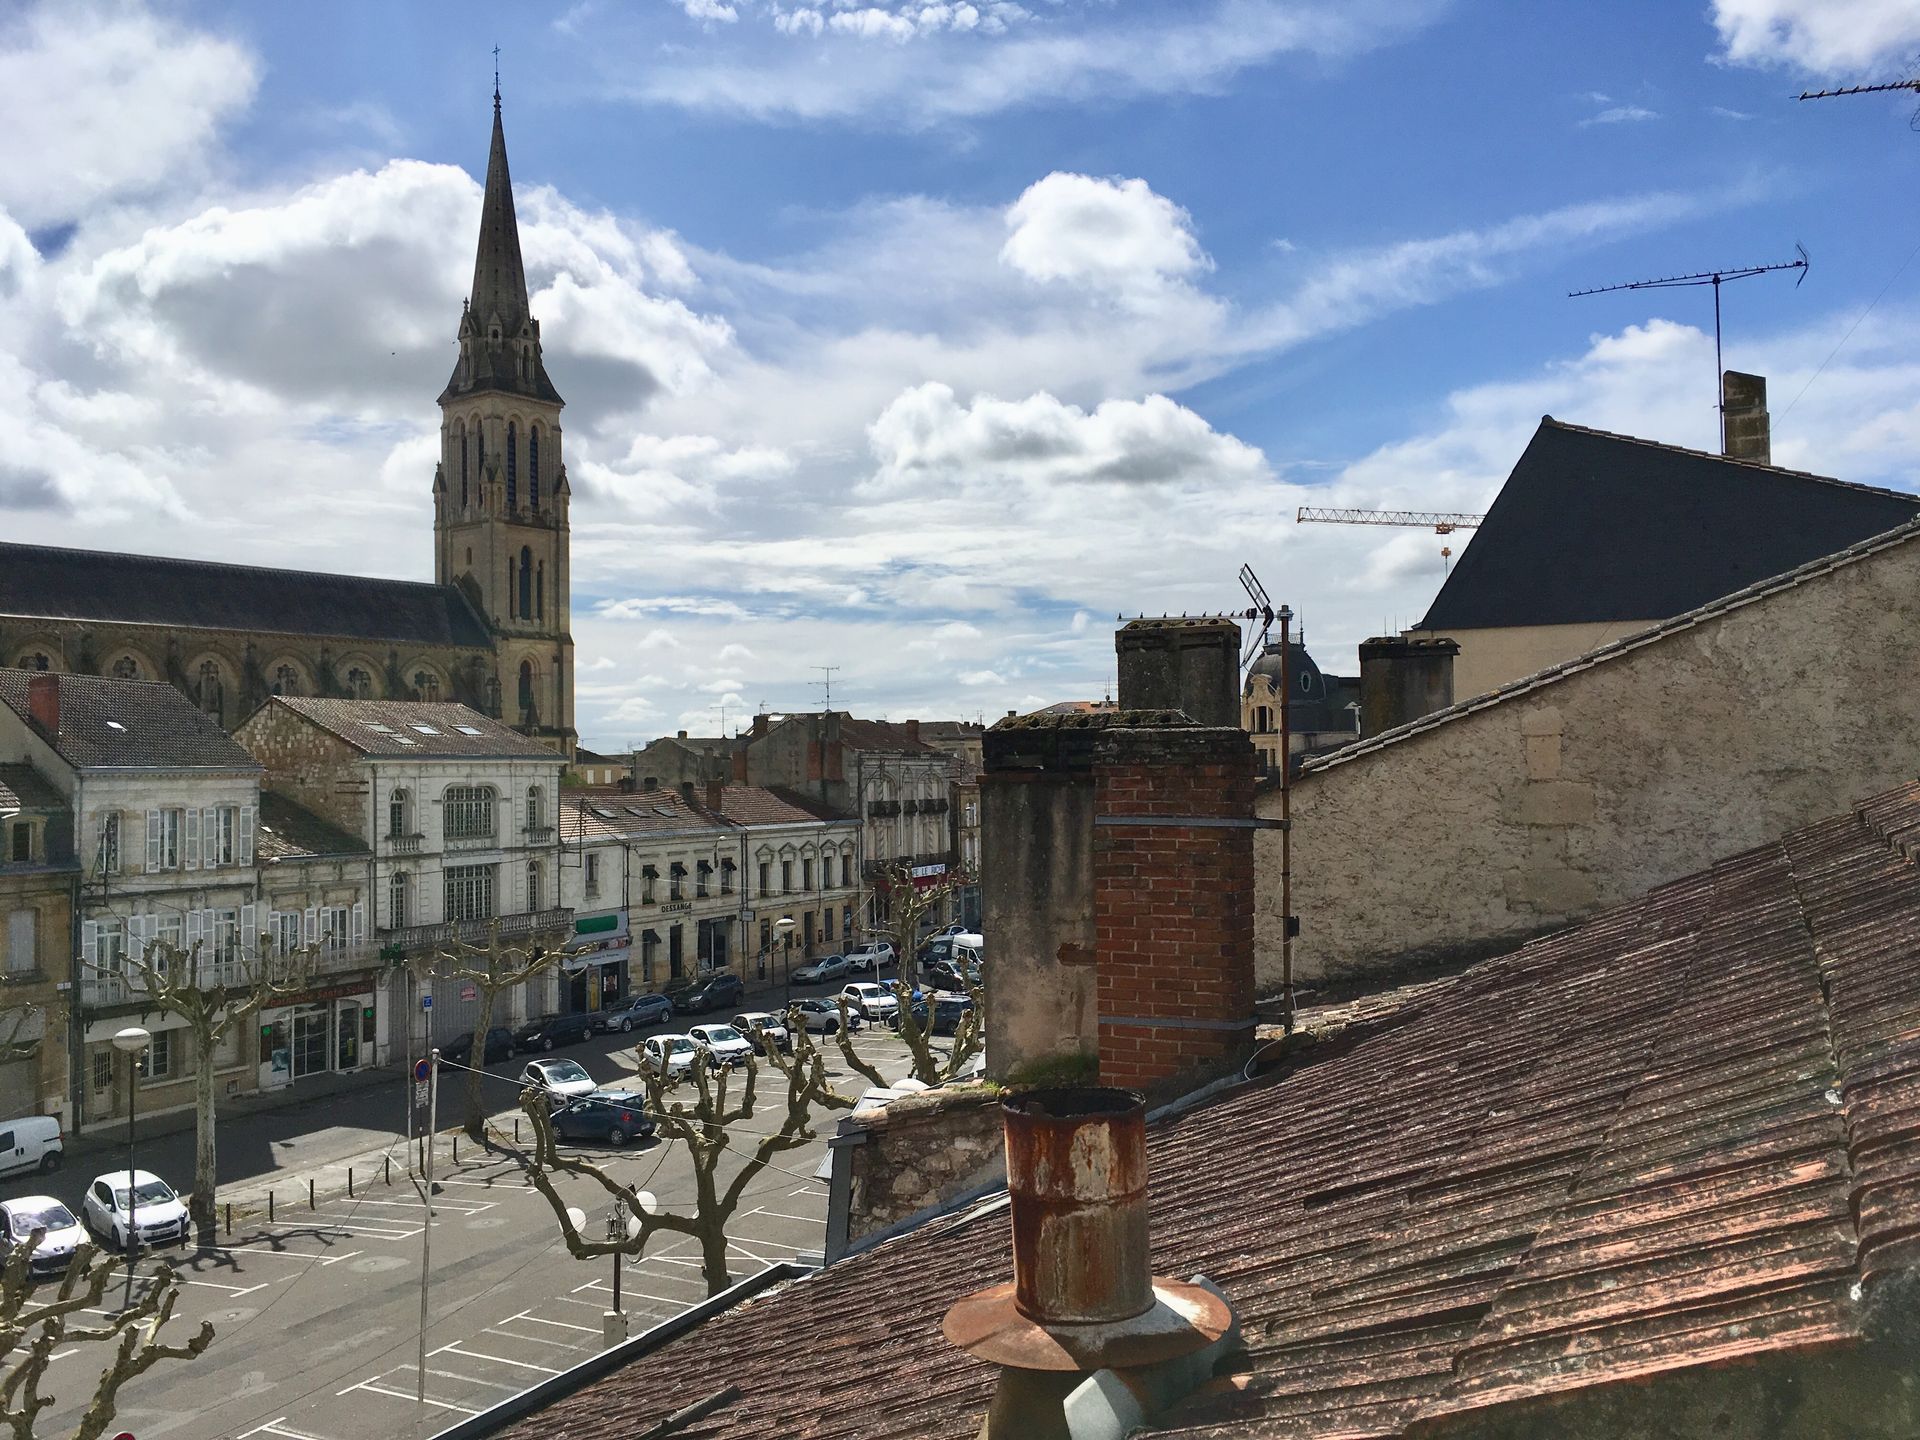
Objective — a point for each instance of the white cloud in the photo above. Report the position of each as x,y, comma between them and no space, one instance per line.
1113,233
1622,115
1821,37
710,10
154,95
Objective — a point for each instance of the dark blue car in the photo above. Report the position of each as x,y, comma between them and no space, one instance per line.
611,1117
551,1030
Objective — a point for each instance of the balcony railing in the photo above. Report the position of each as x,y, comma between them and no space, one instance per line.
128,987
488,841
539,834
556,922
404,844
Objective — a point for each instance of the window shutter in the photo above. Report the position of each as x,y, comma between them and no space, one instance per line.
89,944
358,934
245,855
210,836
153,840
311,928
249,939
196,928
191,860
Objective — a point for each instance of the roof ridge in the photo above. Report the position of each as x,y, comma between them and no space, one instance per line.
187,560
1726,459
1686,620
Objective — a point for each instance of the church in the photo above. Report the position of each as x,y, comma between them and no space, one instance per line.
490,631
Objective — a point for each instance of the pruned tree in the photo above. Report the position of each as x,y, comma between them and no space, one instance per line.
493,969
908,904
930,1066
215,994
696,1111
33,1329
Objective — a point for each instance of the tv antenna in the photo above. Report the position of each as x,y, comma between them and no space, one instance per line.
825,686
1714,278
1262,611
1911,83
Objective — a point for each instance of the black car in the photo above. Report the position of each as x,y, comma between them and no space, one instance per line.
551,1030
945,975
612,1117
709,992
948,1011
460,1048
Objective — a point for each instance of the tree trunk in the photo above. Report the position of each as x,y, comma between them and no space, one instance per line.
713,1231
202,1208
477,1062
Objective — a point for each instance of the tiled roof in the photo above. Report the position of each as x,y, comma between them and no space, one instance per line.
415,729
807,804
24,788
757,805
138,724
1905,535
880,735
291,832
606,813
44,582
1592,526
1678,1135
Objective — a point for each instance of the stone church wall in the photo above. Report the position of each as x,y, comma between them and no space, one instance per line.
1585,791
310,767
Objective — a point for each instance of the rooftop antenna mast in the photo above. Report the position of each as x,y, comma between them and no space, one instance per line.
825,686
1714,278
1911,83
1261,611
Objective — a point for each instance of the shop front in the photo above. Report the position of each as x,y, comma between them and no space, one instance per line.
594,973
319,1032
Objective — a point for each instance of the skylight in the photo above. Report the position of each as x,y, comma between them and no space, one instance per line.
604,814
423,729
406,740
115,725
376,725
466,729
666,810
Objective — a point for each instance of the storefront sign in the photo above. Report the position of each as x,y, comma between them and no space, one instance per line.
606,955
592,931
332,992
928,872
677,907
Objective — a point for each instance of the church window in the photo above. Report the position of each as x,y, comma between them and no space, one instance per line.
513,472
540,592
209,693
526,685
526,582
480,449
461,441
126,668
426,684
533,466
35,661
286,681
359,684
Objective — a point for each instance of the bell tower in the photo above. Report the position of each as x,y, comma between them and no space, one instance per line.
500,491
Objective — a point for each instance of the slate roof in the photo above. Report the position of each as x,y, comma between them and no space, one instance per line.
415,729
1678,1135
135,724
1905,535
880,735
291,832
44,582
1592,526
607,813
24,788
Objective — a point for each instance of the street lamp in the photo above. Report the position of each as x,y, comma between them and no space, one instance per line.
784,925
130,1042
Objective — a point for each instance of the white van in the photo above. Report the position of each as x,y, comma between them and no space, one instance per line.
968,950
34,1143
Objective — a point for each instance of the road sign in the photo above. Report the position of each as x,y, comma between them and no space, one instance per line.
420,1095
426,1002
469,992
422,1069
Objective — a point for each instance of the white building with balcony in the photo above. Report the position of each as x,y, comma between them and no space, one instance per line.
460,816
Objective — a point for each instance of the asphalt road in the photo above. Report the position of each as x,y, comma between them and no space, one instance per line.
317,1318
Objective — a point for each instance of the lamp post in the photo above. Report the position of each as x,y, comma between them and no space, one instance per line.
784,925
130,1042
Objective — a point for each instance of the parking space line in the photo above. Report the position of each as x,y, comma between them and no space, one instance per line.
410,1399
606,1289
454,1349
783,1215
569,1300
523,1315
234,1290
276,1427
535,1339
465,1207
295,1254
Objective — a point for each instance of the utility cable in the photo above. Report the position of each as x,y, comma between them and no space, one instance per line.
1851,328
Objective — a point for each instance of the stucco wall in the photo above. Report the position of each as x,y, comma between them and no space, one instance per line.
1489,659
920,1150
1590,789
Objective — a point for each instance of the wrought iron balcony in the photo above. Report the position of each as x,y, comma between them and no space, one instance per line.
557,923
129,987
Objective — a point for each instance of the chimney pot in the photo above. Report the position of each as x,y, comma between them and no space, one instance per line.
682,735
43,702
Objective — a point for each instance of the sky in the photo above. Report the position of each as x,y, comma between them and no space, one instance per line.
919,339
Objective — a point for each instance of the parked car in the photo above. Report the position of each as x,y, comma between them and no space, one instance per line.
669,1056
32,1143
20,1218
874,1002
551,1030
827,967
460,1048
947,1012
612,1117
757,1023
874,955
724,1044
111,1212
708,992
634,1010
945,975
822,1015
561,1079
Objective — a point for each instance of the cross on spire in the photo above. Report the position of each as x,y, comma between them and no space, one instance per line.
496,77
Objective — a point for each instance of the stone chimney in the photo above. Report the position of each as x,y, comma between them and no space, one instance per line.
1402,679
740,765
1747,431
43,702
1179,664
759,726
716,794
913,729
687,792
680,735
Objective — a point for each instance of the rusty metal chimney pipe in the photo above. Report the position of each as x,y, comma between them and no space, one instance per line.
1077,1186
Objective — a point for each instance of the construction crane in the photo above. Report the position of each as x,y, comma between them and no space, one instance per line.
1443,523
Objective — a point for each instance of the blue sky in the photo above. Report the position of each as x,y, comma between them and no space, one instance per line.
921,338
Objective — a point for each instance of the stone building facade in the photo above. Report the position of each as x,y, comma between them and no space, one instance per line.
491,632
1579,787
39,876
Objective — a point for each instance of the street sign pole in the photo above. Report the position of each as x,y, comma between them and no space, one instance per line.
426,1072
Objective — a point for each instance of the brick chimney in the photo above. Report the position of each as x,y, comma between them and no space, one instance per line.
716,793
759,726
740,765
1181,664
913,729
43,702
1402,679
1746,428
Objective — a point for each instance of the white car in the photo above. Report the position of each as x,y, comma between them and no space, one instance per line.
871,1001
821,1015
561,1079
827,967
757,1023
724,1044
20,1218
157,1212
874,955
669,1056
